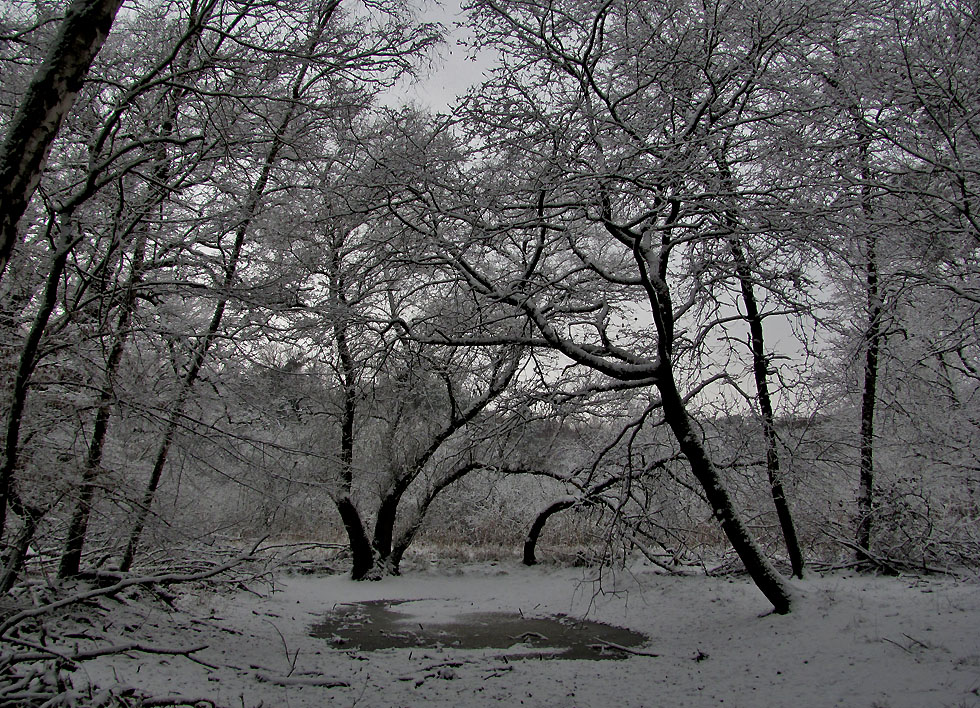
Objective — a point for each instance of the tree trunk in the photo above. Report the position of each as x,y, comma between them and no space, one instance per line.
48,99
159,463
249,212
872,340
19,548
760,367
190,377
25,369
399,546
653,270
384,525
538,526
504,369
865,500
766,577
362,553
71,557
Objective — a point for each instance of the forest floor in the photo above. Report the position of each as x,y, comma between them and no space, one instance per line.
853,640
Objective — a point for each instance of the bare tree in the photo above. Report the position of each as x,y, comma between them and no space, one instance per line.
760,368
408,411
227,279
339,65
82,251
161,185
590,189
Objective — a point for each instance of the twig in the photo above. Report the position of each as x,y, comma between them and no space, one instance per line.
202,662
285,647
451,664
497,671
900,646
916,641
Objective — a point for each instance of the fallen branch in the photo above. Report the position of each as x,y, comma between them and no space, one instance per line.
300,681
163,579
176,701
892,566
76,656
455,664
497,671
524,636
619,647
916,641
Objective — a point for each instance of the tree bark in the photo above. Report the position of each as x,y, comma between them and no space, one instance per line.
760,370
201,351
400,545
653,271
49,97
873,336
505,367
20,545
362,553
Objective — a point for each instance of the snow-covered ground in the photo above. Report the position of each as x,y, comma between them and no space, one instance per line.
853,641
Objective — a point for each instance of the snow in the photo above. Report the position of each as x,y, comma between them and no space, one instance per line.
853,640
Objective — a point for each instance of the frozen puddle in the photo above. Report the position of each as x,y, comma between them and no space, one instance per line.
415,624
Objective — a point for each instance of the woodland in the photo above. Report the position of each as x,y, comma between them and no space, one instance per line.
692,281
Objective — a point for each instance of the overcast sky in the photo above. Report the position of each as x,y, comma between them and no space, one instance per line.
454,68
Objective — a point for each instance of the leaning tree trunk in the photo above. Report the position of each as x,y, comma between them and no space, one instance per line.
760,367
25,368
531,543
49,97
200,354
142,511
400,545
653,269
587,497
385,546
249,213
77,529
765,575
21,544
160,176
